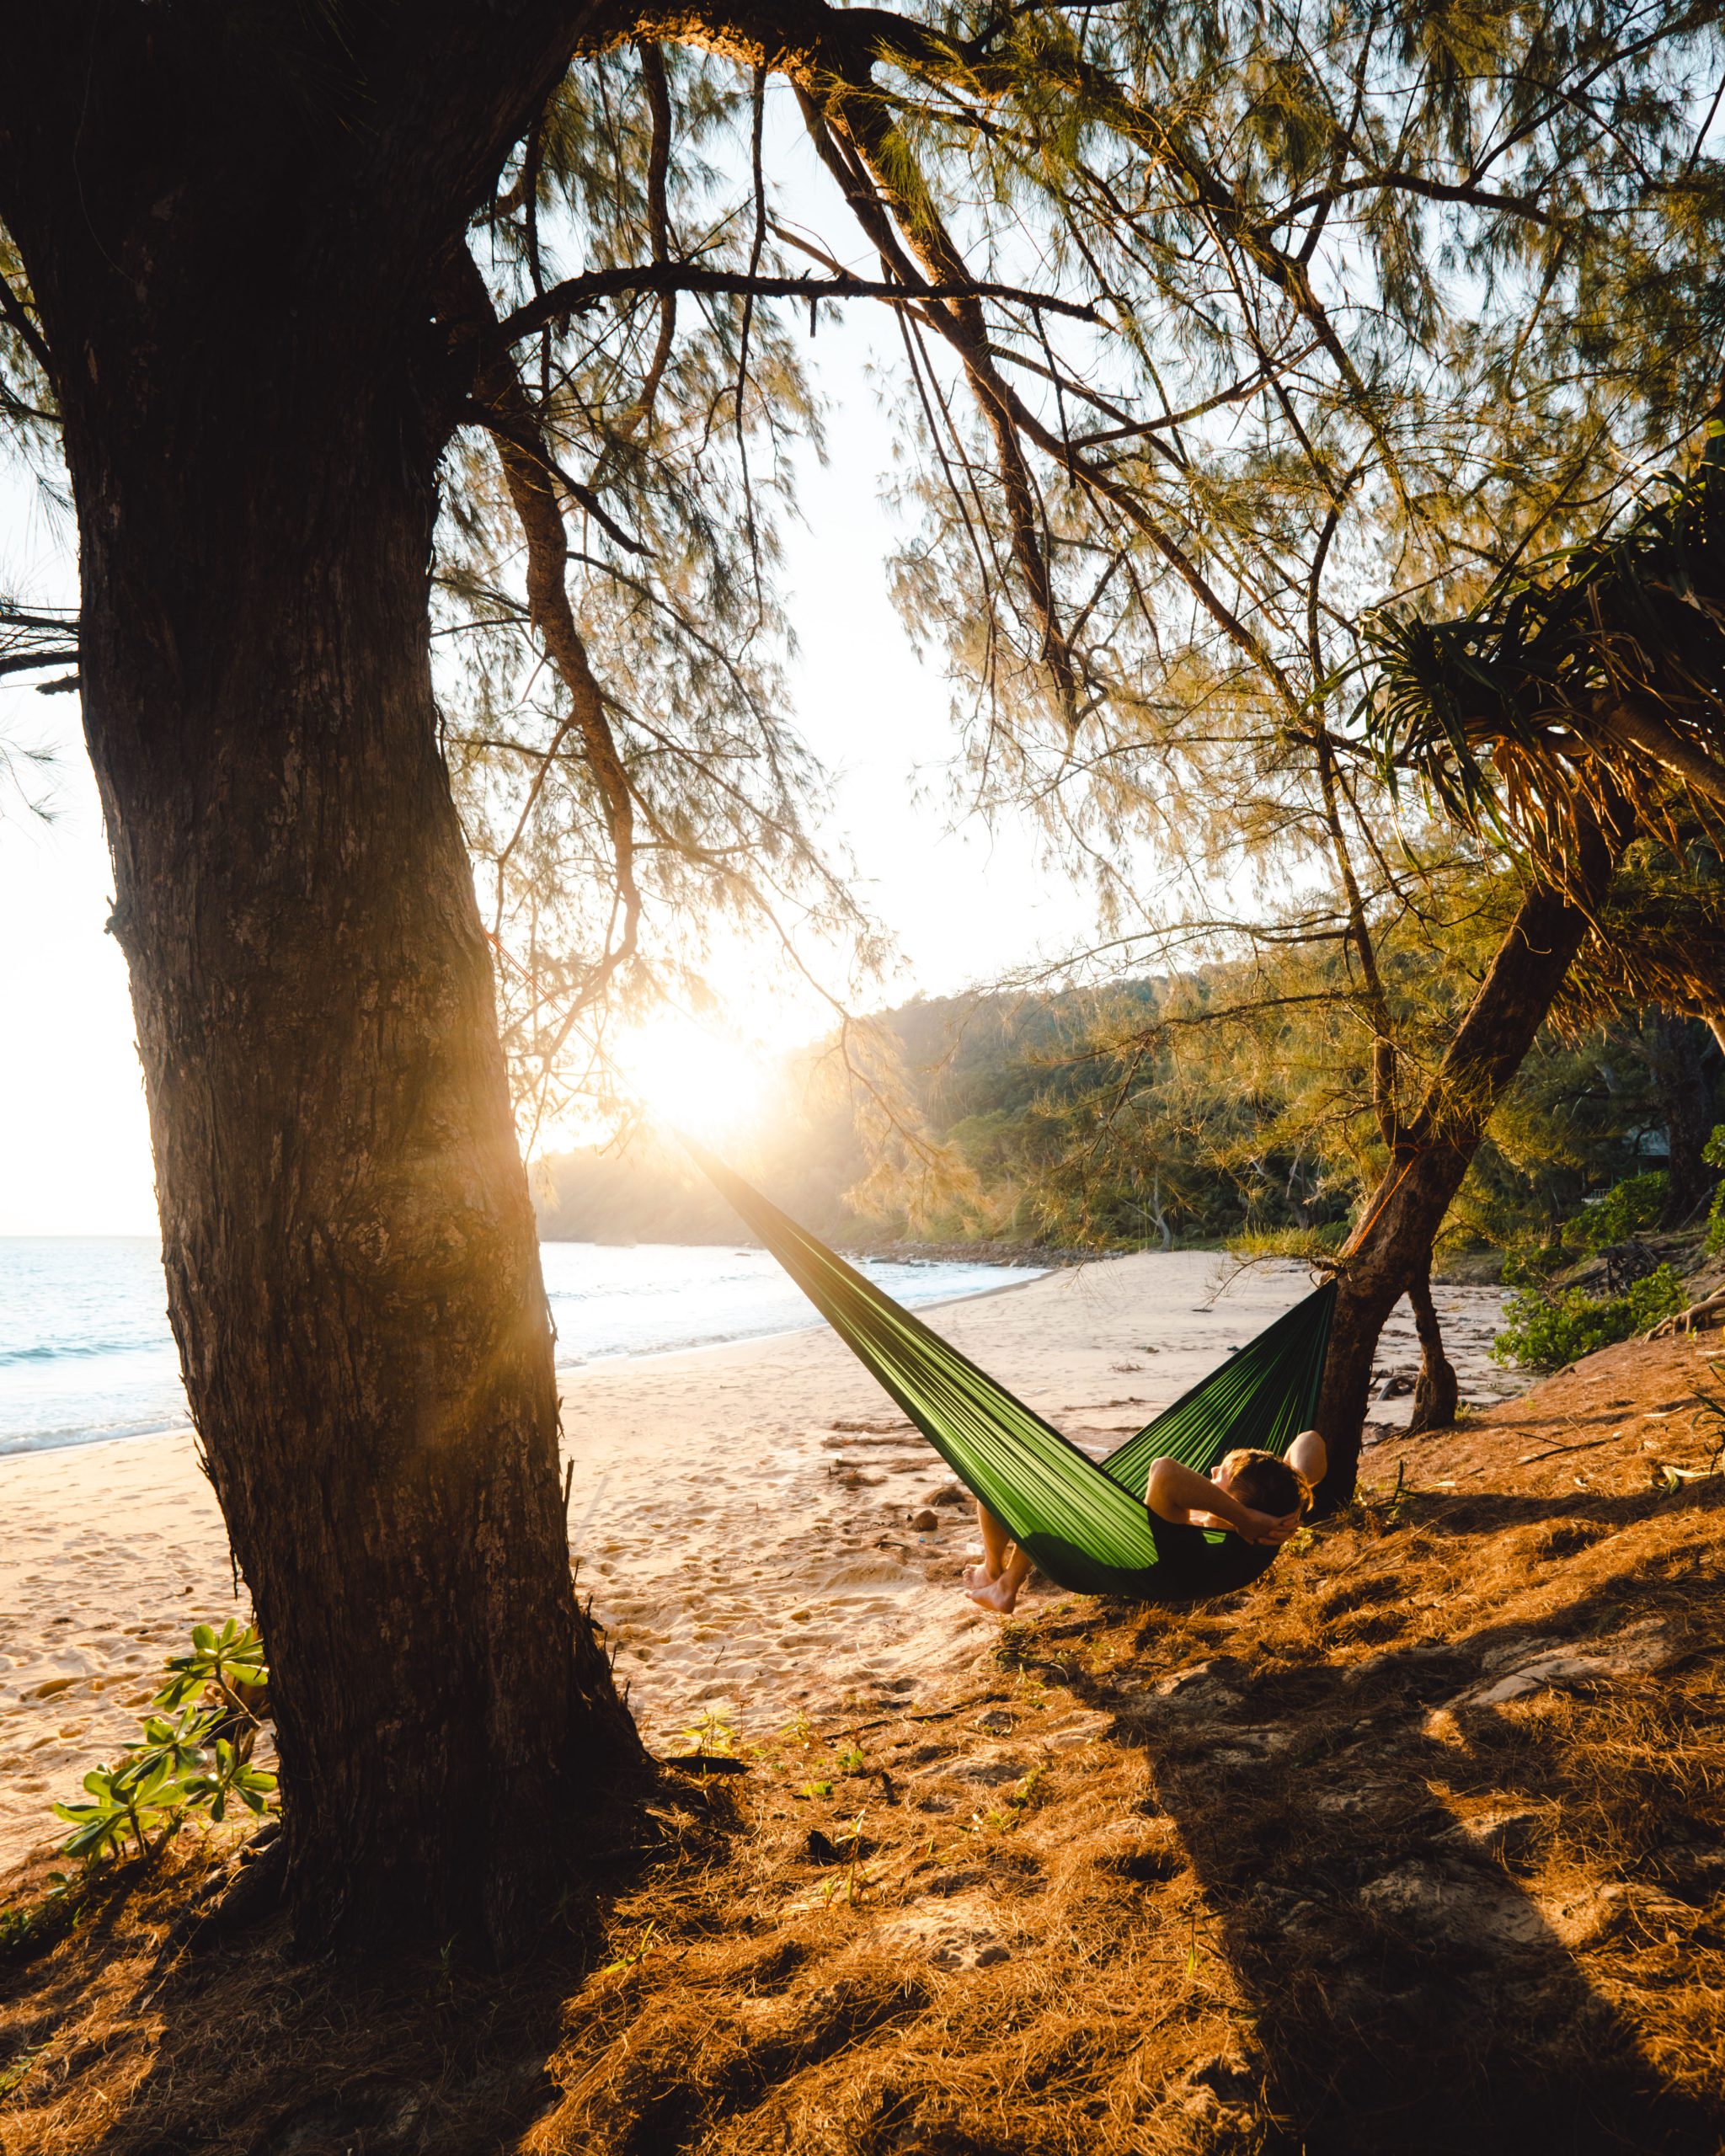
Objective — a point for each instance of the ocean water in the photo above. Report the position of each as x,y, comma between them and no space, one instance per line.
86,1354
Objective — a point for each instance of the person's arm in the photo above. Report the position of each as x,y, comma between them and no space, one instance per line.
1185,1498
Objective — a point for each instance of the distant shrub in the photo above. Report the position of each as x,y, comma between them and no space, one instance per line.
1543,1332
1310,1243
1628,1208
1713,1153
1529,1260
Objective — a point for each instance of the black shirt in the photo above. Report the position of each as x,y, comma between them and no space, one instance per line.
1190,1566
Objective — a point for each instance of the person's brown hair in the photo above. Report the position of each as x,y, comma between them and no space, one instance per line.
1266,1483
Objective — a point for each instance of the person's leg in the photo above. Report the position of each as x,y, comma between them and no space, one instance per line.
1001,1593
996,1542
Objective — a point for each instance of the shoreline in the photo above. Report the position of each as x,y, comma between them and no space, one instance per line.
184,1429
816,1324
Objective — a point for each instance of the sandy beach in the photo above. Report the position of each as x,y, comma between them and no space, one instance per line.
752,1521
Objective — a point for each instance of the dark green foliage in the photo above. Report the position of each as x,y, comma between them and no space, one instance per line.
1544,1333
1477,705
1227,1106
1713,1153
1628,1208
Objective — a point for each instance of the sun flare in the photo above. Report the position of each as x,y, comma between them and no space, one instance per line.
689,1077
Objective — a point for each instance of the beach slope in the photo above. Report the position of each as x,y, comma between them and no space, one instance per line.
744,1518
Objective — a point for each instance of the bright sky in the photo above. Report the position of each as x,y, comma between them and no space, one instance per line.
74,1144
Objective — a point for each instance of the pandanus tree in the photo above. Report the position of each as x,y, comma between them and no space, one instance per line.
284,287
1575,714
1658,948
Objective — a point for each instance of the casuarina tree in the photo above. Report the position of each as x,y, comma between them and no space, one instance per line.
238,286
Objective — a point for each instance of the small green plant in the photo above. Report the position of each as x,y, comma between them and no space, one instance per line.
851,1760
713,1736
854,1878
230,1662
1022,1798
1712,1416
200,1760
1544,1332
31,1928
632,1957
19,2064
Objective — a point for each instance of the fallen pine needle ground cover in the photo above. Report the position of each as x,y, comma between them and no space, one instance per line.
1419,1846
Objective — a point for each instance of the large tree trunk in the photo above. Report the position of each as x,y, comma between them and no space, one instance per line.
1406,1211
352,1266
253,414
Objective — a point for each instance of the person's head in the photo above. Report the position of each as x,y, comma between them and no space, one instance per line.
1267,1484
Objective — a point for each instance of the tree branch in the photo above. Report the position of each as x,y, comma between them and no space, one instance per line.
26,661
576,295
28,335
1429,190
529,440
527,468
1640,727
858,141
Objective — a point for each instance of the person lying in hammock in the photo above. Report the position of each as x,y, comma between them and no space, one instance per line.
1255,1495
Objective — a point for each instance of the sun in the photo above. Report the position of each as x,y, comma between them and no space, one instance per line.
689,1077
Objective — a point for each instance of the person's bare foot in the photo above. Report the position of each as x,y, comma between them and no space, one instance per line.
978,1576
1001,1594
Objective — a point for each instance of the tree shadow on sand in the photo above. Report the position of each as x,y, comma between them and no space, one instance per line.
240,2043
1358,1833
1402,1858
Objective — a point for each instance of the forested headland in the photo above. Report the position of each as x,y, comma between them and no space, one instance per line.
1220,1108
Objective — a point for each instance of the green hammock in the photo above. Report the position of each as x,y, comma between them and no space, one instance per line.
1085,1524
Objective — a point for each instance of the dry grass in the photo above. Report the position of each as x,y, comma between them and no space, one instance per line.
1346,1864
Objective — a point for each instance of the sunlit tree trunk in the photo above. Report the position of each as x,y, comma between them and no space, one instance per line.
352,1266
1404,1214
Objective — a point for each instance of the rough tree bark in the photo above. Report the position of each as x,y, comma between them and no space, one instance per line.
1436,1144
1681,1078
235,278
1437,1391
